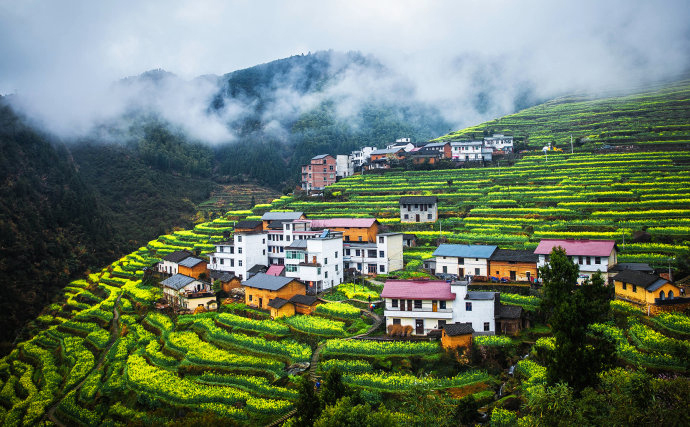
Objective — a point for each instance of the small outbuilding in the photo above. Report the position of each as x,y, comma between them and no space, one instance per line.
457,335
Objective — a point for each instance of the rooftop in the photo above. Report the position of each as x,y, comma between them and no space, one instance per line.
455,329
275,270
303,299
277,302
177,256
320,156
418,199
637,266
577,247
387,151
177,281
268,282
190,262
465,251
417,289
514,255
298,244
650,282
506,311
480,295
248,224
284,216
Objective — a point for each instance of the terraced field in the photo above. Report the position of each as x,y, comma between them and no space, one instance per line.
657,116
641,200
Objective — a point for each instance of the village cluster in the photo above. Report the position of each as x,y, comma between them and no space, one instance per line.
325,169
284,263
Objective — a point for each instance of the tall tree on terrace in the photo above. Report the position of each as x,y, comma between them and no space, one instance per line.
570,309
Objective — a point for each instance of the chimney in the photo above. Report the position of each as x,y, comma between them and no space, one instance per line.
666,276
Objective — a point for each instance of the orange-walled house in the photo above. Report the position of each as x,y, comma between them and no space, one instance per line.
442,148
353,229
654,293
193,267
516,265
386,154
457,335
261,288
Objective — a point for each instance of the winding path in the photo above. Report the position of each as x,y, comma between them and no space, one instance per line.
316,355
114,333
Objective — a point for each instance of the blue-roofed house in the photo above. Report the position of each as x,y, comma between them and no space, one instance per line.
463,260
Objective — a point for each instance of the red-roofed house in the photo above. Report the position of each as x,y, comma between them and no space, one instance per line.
426,305
276,270
590,255
353,229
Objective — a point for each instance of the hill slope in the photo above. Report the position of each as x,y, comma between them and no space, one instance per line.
657,116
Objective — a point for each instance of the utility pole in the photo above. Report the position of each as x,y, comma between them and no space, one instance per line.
571,143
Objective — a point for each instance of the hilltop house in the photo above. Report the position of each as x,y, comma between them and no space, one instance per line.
319,173
269,217
344,166
239,255
470,151
457,335
423,156
170,262
516,265
262,288
418,209
353,229
443,149
652,292
463,260
192,267
317,261
428,305
187,292
361,156
499,142
590,255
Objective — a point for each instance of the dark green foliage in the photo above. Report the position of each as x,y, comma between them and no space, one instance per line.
571,309
307,405
467,410
332,387
51,225
346,414
429,408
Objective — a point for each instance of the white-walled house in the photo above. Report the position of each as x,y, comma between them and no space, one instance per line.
499,142
426,305
379,257
590,255
317,262
238,256
463,260
470,151
361,156
344,166
170,263
418,208
187,292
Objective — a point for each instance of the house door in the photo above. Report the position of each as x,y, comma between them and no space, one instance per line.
409,305
512,276
261,302
417,217
419,326
434,306
527,273
461,272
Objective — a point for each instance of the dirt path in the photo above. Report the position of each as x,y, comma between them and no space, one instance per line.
114,333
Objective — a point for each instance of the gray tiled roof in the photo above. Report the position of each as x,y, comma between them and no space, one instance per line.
419,199
268,282
303,299
281,216
190,262
277,302
177,256
177,282
514,255
650,282
509,311
455,329
465,251
479,295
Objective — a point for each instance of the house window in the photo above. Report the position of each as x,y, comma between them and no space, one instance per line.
407,216
232,262
347,252
442,305
239,250
476,272
396,321
382,268
380,239
635,288
394,303
239,263
325,261
460,260
318,270
625,286
418,303
287,238
263,241
428,216
445,269
589,260
468,306
579,260
371,253
222,261
250,297
359,238
357,252
291,268
336,254
336,267
381,255
597,260
239,239
264,251
486,326
325,275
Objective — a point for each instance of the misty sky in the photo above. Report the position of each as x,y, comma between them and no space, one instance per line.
60,54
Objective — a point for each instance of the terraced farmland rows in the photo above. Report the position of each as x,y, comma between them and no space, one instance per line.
641,200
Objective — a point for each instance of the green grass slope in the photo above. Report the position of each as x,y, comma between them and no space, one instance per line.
657,116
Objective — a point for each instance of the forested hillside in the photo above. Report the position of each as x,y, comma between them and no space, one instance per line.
652,116
51,225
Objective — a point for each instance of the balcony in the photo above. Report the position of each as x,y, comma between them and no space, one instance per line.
420,313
